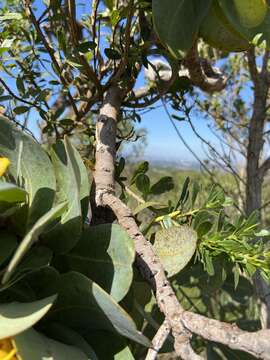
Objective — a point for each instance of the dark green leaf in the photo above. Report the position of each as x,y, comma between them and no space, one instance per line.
112,54
80,299
105,254
188,13
32,345
163,185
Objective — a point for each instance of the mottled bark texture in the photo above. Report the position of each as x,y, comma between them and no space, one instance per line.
159,340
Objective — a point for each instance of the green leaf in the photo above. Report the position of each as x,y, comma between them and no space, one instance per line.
21,109
163,185
64,235
11,16
105,254
31,164
141,169
84,188
217,31
83,306
31,237
112,54
17,317
167,17
70,337
143,183
44,281
32,345
20,85
36,258
86,46
11,193
184,193
249,22
195,191
8,243
109,346
175,247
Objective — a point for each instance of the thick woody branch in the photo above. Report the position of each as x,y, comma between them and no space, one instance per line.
146,260
158,341
256,343
151,269
202,74
199,71
105,143
264,168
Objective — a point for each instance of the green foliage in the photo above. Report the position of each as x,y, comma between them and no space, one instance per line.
98,293
33,345
227,25
35,173
48,248
179,39
17,317
108,260
175,247
92,276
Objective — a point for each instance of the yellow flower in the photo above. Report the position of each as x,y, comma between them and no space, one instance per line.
7,351
4,164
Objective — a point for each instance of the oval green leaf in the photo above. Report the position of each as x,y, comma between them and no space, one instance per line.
11,193
72,186
83,306
175,247
17,317
177,23
32,345
31,166
8,243
105,254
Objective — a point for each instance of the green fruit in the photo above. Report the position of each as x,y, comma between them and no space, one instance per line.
251,13
218,32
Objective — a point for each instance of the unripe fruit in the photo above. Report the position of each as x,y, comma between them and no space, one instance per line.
251,13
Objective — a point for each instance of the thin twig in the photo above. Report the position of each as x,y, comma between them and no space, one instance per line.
50,51
18,97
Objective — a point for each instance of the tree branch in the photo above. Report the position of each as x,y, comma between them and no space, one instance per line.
33,19
158,341
182,323
264,167
146,260
256,343
202,74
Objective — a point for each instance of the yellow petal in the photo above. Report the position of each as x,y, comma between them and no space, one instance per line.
7,350
4,164
10,355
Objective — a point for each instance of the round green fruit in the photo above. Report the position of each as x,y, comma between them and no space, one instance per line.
251,13
218,32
